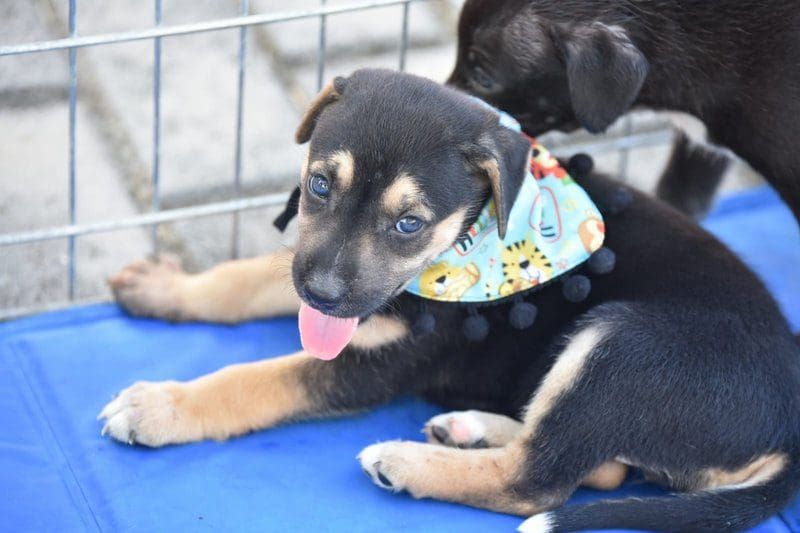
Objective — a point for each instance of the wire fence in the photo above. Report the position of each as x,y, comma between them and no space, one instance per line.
244,21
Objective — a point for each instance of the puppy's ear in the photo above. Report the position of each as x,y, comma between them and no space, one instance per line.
605,72
502,157
332,91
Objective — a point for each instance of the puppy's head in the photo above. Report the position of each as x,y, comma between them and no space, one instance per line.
397,169
552,65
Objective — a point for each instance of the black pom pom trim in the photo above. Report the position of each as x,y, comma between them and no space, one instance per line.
602,261
522,315
576,288
580,165
424,324
475,326
618,201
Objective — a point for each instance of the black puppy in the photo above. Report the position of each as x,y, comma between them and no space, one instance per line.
569,63
678,363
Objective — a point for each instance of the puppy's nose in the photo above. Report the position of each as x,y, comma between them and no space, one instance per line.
324,292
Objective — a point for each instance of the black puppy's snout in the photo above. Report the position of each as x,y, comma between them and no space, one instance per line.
324,291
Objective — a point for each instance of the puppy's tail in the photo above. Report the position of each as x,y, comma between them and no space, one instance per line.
733,509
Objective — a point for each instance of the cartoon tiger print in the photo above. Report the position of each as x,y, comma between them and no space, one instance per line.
524,265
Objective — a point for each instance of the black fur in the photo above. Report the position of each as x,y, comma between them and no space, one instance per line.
691,177
565,63
699,369
709,512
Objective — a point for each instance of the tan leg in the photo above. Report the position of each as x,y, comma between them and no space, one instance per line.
233,291
249,396
480,478
232,401
479,429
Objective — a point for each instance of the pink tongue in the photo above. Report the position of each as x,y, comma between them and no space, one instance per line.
324,336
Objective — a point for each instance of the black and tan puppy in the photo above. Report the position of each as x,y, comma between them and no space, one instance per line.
678,363
569,63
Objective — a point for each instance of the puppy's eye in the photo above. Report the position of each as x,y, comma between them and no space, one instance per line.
408,225
319,185
481,79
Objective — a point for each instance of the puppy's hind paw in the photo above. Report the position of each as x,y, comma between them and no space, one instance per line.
461,429
151,288
472,429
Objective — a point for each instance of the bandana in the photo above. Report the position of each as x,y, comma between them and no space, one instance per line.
553,227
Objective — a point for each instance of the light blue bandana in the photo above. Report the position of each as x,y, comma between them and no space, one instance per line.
553,227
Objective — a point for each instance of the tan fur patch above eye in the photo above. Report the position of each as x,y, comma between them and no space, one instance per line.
317,166
757,472
341,162
379,330
402,193
345,168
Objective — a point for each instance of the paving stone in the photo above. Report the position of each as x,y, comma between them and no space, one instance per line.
34,195
359,33
42,73
431,63
198,96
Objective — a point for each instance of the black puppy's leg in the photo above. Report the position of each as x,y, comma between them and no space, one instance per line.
509,478
692,176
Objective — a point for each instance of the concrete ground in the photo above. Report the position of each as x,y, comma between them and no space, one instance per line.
198,106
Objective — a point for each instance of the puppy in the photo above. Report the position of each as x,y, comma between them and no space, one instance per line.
678,363
564,64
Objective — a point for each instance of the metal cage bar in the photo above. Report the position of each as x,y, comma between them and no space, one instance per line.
244,9
404,38
155,200
73,100
323,30
170,215
185,29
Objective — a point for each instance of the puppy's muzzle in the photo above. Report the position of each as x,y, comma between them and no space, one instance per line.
323,291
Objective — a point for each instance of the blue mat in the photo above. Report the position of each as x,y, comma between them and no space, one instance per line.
57,370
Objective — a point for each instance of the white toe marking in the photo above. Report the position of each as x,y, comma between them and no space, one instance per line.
539,523
370,455
463,427
114,406
370,458
467,426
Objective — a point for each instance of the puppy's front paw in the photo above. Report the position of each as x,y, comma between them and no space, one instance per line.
151,288
151,414
462,429
380,463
